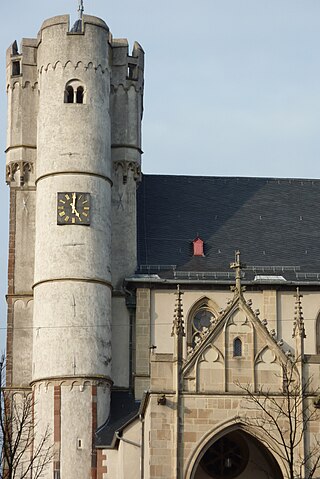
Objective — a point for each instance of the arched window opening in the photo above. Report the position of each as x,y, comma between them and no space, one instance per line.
69,94
75,91
80,92
226,458
237,347
202,319
234,455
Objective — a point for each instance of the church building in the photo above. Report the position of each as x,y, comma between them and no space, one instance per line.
167,327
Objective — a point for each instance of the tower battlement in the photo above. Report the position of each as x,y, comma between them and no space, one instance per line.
127,70
65,20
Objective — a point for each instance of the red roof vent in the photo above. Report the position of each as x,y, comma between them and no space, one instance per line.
198,247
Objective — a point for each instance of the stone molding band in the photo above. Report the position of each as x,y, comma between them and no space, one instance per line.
124,145
79,280
23,188
84,173
19,295
18,389
72,378
34,147
15,147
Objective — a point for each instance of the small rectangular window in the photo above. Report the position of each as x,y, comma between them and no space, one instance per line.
16,69
132,72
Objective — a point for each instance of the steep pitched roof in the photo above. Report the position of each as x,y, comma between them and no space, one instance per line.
123,409
274,222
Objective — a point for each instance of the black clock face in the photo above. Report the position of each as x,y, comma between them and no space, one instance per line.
73,208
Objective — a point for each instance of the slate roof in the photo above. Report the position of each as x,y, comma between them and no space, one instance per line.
123,409
274,222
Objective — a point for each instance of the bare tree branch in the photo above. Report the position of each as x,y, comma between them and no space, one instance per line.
22,453
283,417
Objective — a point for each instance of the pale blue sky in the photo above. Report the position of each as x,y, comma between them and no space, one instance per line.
231,86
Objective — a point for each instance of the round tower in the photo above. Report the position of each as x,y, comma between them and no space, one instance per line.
72,280
126,107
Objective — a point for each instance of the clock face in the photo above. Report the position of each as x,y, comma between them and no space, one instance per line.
73,208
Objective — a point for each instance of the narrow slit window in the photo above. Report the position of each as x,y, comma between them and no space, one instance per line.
80,93
132,72
237,347
16,69
69,94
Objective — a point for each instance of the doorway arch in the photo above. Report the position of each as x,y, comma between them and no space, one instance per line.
235,454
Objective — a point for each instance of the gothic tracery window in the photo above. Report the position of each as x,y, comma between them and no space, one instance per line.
201,319
226,458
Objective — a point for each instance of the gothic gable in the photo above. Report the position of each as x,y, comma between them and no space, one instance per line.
236,348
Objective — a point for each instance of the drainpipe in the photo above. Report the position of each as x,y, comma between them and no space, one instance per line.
132,443
127,441
131,305
142,447
299,334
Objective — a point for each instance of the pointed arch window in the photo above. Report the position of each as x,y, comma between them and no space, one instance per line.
201,318
227,457
237,348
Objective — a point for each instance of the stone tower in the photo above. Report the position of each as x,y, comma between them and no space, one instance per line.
73,160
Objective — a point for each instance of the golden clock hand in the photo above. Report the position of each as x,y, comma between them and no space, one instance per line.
77,214
73,204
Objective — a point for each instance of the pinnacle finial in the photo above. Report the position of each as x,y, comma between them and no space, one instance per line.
237,266
178,323
298,328
80,9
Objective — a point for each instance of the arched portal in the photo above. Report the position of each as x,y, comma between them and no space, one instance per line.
236,455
